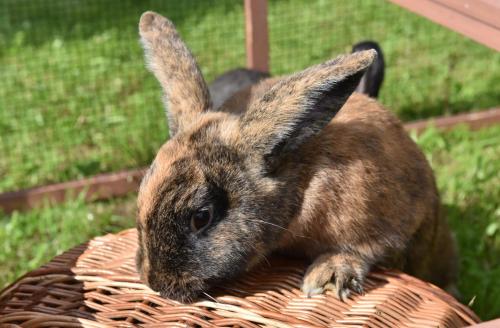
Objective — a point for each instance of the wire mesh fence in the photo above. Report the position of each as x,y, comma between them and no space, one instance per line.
75,97
76,100
430,69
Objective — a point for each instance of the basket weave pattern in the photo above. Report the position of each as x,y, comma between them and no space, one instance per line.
96,285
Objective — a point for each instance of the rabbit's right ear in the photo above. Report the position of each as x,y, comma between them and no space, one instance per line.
176,69
298,107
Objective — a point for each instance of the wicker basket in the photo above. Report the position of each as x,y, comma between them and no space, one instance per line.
96,285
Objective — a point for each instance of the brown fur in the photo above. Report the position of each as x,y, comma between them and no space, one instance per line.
281,175
185,90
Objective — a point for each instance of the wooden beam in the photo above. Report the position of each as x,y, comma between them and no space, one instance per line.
257,38
482,10
474,121
476,19
102,186
106,186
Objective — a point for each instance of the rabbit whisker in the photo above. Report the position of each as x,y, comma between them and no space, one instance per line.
210,297
235,290
279,227
261,255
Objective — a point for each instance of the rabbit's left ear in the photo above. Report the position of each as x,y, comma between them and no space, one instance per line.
176,69
301,105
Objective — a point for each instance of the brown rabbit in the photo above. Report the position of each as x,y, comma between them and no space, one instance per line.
306,168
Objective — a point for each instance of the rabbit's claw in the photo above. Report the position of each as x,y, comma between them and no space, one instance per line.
339,273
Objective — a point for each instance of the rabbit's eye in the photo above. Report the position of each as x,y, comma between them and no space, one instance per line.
201,219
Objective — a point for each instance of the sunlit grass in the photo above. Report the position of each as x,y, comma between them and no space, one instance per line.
76,99
467,168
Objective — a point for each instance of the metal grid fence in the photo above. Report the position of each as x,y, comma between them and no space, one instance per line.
76,100
75,97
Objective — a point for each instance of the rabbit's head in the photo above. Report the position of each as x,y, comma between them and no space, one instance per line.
220,193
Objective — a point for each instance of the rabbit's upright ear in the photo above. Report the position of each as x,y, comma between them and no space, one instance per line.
301,105
175,68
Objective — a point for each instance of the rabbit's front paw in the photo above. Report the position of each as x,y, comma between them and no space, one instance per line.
341,273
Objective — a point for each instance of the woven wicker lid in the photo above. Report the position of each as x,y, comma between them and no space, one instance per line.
96,285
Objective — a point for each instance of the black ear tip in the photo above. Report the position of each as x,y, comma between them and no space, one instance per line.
372,81
366,45
369,46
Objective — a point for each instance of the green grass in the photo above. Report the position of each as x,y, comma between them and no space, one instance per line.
467,168
30,239
466,165
76,100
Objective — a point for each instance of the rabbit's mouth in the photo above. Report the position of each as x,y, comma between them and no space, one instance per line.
184,290
183,295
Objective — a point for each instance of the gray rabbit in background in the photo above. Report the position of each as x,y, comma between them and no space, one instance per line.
228,84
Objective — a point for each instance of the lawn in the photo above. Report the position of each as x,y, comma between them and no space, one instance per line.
466,164
76,100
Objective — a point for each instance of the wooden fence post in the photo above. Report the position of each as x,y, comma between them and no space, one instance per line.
257,39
